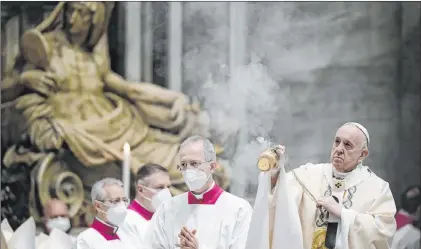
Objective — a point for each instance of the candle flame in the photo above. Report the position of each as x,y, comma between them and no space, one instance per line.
126,147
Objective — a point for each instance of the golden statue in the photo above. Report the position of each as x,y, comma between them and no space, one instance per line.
78,113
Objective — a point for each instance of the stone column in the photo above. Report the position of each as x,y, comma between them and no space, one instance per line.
339,62
147,37
205,43
175,46
237,57
12,40
407,170
237,34
133,48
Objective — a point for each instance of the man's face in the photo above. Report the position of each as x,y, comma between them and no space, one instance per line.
157,181
192,156
347,150
79,18
115,195
57,209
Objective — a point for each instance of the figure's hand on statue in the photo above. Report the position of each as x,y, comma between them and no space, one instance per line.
39,80
178,111
330,205
44,136
188,239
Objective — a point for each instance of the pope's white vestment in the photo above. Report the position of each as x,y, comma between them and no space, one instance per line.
367,218
137,221
104,236
221,219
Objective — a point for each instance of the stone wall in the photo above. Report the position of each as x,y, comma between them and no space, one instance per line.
334,62
408,168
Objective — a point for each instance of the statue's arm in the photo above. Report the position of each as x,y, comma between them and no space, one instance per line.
37,110
146,92
116,84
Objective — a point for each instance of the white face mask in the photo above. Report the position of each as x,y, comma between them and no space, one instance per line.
158,198
195,178
60,223
116,213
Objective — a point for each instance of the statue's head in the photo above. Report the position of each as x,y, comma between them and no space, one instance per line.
78,17
85,22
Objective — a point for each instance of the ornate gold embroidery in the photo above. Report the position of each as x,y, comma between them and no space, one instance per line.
319,237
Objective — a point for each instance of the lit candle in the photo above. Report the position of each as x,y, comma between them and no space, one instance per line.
126,169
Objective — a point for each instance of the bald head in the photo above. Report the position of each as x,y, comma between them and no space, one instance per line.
350,147
55,208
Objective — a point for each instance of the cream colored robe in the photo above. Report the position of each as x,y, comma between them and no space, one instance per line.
368,217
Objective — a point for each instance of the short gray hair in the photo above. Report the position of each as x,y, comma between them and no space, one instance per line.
208,148
98,192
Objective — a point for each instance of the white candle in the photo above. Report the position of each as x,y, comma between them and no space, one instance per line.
126,169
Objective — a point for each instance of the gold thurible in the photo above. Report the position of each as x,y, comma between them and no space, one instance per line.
269,159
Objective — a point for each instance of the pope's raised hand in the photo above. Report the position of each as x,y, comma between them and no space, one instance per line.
270,158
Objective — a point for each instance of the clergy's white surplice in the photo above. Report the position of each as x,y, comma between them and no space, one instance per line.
221,219
367,218
57,239
6,230
104,236
24,236
41,239
3,244
408,237
287,236
137,221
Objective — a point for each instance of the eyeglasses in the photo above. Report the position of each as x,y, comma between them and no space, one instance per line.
116,201
193,164
154,190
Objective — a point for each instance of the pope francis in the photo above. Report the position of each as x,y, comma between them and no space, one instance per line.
341,204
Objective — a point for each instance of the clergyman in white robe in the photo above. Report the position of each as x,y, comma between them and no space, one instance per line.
152,188
367,217
365,202
137,221
101,235
365,206
220,218
110,203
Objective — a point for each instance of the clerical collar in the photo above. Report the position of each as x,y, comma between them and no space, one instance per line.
138,208
403,212
340,175
108,231
200,196
209,197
